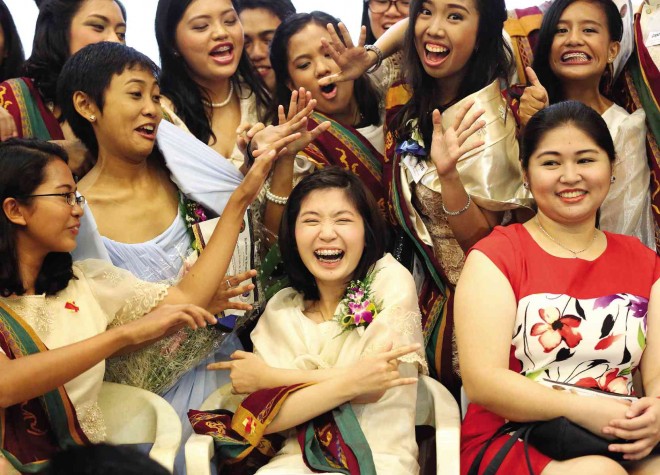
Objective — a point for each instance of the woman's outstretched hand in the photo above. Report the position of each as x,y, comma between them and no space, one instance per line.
222,302
353,61
301,102
641,427
165,320
447,146
534,98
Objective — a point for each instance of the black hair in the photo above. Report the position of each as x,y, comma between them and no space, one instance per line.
366,22
365,93
91,70
14,56
492,59
375,230
562,114
103,459
280,8
50,48
181,89
23,163
547,33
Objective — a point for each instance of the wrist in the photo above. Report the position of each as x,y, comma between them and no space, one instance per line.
449,177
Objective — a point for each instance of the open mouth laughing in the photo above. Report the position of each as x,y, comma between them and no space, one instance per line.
329,256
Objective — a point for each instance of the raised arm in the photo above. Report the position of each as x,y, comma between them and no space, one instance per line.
468,222
353,60
484,329
31,376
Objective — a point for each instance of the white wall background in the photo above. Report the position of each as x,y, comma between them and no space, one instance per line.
140,34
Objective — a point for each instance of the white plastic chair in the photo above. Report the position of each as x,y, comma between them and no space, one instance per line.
436,407
135,416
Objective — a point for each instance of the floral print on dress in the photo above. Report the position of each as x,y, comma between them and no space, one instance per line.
594,343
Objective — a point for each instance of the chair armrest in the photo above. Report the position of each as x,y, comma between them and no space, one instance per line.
447,427
199,450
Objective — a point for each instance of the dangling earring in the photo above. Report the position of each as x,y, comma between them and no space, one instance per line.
92,118
525,185
612,179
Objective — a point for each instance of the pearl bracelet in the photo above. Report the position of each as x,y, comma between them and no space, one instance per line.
273,198
460,211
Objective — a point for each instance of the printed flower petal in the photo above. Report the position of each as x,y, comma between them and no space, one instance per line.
618,385
540,328
550,340
607,342
570,335
549,315
571,320
587,383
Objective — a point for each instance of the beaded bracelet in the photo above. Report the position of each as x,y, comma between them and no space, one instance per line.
379,57
460,211
273,198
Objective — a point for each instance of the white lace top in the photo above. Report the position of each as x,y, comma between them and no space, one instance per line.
100,294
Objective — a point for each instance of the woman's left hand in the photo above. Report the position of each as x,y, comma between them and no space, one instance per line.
641,426
246,371
447,146
301,102
353,61
221,301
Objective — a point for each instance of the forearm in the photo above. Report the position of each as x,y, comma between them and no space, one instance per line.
34,375
392,40
281,184
471,225
276,377
201,283
310,402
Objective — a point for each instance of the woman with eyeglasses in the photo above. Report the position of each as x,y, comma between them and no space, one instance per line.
55,314
379,15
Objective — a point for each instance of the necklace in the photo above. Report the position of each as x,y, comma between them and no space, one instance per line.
217,105
575,253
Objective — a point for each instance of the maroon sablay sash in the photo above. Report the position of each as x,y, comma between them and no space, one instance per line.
343,146
33,431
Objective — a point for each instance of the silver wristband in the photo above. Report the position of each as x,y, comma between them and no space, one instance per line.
460,211
379,57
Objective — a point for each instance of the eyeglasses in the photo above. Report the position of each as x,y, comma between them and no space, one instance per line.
72,198
381,6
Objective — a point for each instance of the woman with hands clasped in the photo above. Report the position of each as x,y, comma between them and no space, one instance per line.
348,306
574,59
54,314
561,303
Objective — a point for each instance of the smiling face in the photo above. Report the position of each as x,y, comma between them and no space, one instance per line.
259,26
330,236
582,48
50,223
96,21
308,62
131,112
445,38
210,39
569,175
381,22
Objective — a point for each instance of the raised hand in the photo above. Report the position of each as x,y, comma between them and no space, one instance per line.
641,427
301,100
165,320
221,301
447,146
246,371
353,61
534,98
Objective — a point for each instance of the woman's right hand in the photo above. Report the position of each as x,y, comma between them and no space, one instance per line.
379,372
301,101
534,98
8,128
353,61
165,320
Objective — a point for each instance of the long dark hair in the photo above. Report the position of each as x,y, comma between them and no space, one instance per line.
178,85
366,95
23,163
547,33
280,8
14,57
492,59
366,22
91,70
50,48
374,226
561,114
